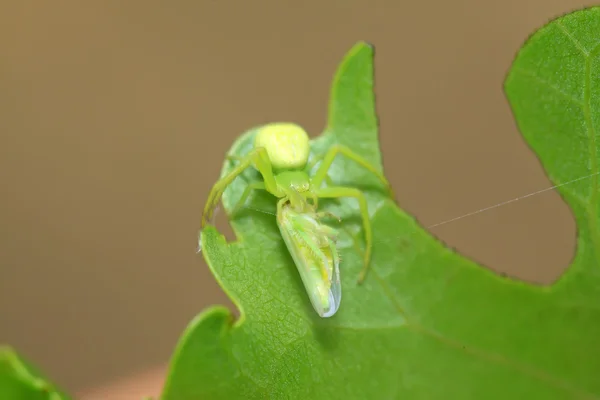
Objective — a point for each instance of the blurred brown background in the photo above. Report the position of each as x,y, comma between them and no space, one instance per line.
115,116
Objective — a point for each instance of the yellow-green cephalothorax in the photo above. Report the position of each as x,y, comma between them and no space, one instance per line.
286,144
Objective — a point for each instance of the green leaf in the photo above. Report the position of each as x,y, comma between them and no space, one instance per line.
427,323
21,381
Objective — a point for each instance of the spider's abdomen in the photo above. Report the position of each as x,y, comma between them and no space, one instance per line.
286,144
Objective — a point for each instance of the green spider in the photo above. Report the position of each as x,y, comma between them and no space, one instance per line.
280,154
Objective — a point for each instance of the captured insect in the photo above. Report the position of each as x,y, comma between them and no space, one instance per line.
312,246
280,153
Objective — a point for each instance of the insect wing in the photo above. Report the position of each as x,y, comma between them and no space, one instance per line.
312,247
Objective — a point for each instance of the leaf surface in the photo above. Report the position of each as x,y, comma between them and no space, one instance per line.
21,381
427,323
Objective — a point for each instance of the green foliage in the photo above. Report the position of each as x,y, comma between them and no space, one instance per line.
21,381
427,323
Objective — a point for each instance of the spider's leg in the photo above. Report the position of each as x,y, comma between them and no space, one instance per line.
328,158
327,179
260,159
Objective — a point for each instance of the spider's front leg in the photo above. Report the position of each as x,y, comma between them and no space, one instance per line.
257,157
321,174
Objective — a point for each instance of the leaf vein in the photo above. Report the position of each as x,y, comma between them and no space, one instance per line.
542,82
483,354
496,358
572,38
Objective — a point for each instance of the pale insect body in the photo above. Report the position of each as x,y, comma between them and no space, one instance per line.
313,249
280,154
